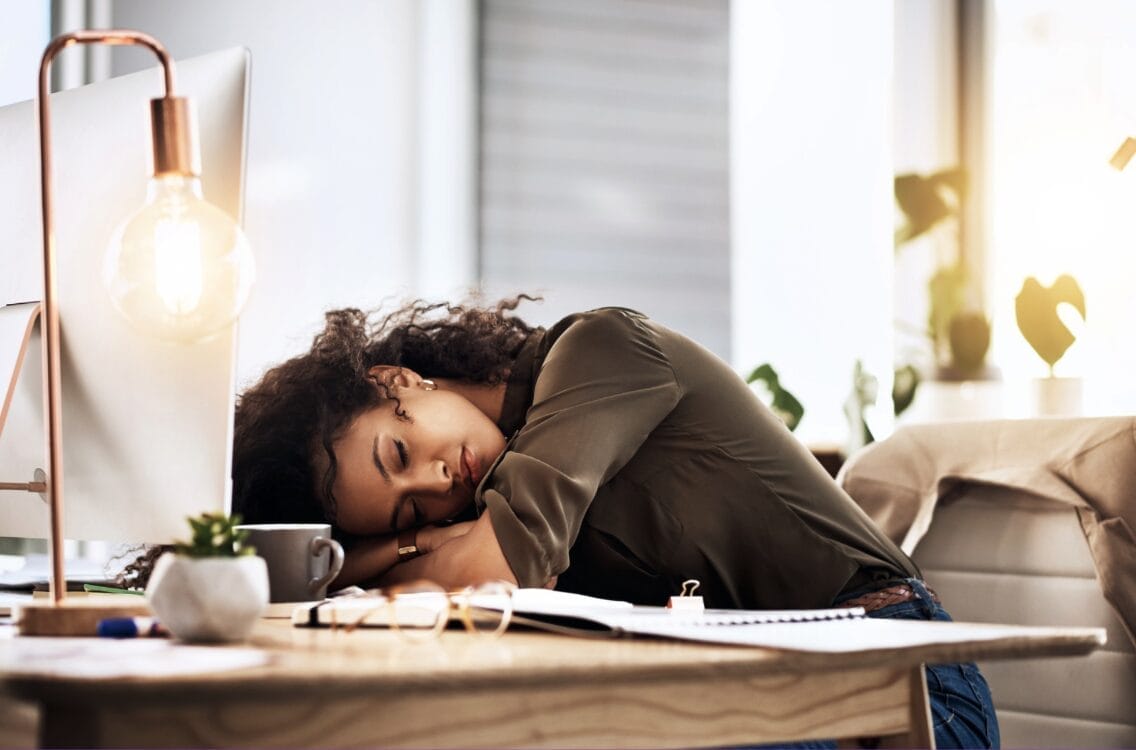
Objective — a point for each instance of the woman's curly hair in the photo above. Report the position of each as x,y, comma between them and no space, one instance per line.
301,407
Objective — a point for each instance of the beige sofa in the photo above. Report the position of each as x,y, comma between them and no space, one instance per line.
1030,522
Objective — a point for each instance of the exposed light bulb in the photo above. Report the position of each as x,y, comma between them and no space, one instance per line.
180,268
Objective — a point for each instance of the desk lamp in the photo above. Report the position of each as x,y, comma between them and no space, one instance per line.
179,269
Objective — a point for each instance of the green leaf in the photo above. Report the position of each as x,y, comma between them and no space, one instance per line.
1036,310
903,388
927,201
947,289
215,535
863,395
783,403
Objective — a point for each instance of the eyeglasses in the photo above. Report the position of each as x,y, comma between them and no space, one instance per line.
421,610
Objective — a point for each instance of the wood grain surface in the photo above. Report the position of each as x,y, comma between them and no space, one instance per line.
330,688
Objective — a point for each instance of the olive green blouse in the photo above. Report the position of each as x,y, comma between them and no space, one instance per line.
638,459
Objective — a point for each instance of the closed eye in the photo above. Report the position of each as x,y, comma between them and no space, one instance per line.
402,454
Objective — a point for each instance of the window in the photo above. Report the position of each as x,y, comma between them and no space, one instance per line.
1061,99
604,155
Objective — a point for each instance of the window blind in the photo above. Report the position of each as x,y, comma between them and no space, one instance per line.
604,158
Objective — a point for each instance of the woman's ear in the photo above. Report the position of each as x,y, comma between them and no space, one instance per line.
393,376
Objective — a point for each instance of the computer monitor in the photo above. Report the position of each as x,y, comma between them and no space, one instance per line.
146,425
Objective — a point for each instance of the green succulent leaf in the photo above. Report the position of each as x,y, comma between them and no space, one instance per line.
215,535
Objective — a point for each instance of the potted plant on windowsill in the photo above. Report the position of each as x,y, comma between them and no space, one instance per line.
957,325
211,588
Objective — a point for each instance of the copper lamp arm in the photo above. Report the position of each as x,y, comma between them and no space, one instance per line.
53,393
114,37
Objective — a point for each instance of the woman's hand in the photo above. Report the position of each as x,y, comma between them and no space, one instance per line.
430,538
370,558
465,554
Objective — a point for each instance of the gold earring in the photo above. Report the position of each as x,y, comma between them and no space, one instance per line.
429,385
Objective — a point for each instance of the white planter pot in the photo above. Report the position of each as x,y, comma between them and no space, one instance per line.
1058,397
208,599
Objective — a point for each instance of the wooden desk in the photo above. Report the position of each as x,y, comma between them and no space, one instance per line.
324,688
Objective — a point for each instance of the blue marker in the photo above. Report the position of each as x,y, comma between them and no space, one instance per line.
131,627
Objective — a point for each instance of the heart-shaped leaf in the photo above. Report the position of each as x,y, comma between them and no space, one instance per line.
1036,308
927,200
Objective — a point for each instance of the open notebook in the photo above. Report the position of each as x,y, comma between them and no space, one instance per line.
824,631
571,614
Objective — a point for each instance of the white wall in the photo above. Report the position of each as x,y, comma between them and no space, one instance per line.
26,31
447,148
812,212
926,140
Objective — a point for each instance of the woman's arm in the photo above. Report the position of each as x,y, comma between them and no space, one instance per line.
454,556
372,558
605,385
366,559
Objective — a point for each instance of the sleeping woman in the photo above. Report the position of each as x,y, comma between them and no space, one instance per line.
606,455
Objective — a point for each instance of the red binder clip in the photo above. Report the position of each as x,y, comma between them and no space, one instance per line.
686,601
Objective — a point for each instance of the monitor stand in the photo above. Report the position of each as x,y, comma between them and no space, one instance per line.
70,616
18,323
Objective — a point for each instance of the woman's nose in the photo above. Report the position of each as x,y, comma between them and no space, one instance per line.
435,476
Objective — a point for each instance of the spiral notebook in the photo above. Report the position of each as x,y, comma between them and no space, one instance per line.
574,614
579,615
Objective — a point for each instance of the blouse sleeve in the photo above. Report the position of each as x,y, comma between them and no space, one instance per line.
604,386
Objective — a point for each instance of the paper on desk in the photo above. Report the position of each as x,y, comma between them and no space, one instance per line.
132,657
542,600
842,636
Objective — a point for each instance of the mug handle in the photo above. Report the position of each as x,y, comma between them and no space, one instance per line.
316,546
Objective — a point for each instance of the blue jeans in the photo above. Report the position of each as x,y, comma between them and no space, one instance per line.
962,712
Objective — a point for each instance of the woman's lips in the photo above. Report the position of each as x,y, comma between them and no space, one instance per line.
470,468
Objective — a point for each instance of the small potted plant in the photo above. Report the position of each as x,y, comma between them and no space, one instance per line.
958,328
213,587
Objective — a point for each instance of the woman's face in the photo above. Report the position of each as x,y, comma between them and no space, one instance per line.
395,473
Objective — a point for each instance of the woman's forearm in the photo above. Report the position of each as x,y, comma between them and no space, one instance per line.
463,560
452,556
367,559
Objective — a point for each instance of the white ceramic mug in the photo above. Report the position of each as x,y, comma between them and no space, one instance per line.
302,558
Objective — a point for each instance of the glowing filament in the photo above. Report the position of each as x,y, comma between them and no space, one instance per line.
178,265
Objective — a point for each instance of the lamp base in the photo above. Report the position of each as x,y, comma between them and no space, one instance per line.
76,617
